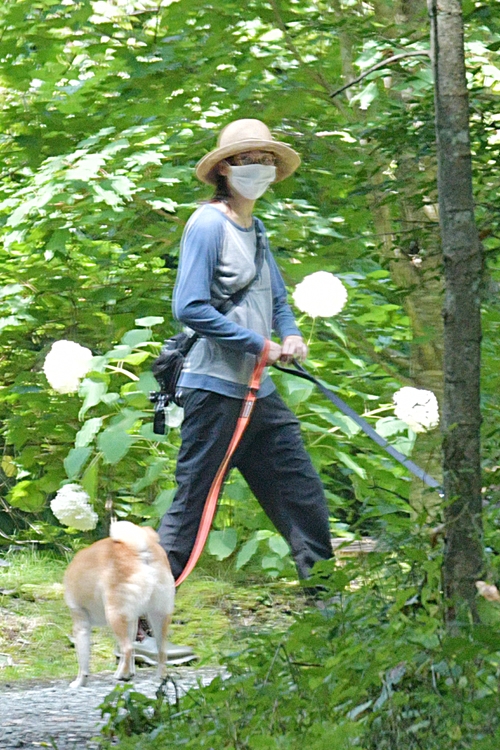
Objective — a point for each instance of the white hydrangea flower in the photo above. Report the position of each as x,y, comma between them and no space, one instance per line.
417,407
66,364
320,295
71,507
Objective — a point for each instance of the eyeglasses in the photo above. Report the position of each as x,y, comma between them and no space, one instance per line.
253,157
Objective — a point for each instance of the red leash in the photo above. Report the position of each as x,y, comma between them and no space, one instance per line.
213,496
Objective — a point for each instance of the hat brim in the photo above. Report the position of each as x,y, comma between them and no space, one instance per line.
287,160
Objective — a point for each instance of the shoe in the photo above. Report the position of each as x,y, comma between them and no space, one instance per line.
146,653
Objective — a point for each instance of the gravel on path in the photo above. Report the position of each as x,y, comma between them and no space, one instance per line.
36,714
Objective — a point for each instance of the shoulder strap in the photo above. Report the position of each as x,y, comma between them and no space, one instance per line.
260,252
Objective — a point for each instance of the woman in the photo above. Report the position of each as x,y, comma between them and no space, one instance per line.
226,263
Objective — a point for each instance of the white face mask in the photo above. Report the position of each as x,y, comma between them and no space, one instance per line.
252,180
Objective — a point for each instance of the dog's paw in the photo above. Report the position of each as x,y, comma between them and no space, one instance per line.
123,677
80,681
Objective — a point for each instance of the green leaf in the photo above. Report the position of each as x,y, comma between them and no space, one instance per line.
106,196
147,383
92,391
387,426
351,464
88,432
144,157
163,501
272,562
25,496
311,427
468,6
297,391
151,320
246,552
75,460
118,353
114,444
110,398
9,468
262,743
153,472
264,534
489,612
278,545
337,331
123,186
127,418
221,544
366,96
136,336
90,479
136,358
88,166
405,443
345,423
164,203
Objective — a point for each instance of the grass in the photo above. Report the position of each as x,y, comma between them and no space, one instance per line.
36,623
215,609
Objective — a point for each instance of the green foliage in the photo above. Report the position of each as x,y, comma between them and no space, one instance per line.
211,614
104,114
37,621
374,669
105,109
130,712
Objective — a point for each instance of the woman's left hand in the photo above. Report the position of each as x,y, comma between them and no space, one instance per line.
293,347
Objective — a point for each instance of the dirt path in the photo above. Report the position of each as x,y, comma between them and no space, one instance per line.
34,712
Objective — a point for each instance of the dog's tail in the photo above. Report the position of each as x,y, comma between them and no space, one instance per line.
137,537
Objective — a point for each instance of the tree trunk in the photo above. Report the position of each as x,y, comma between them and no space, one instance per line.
462,259
420,276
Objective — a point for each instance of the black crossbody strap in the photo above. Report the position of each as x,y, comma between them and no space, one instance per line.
301,372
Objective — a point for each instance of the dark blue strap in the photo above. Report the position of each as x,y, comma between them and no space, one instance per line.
260,252
301,372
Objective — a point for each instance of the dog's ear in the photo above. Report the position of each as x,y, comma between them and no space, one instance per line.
151,534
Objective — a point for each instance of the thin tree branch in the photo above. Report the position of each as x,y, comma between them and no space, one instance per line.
378,66
389,362
317,76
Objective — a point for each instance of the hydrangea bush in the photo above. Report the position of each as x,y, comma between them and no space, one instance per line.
117,458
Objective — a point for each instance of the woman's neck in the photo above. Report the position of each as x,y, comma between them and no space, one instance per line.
239,209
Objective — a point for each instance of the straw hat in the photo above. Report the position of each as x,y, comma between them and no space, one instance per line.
247,135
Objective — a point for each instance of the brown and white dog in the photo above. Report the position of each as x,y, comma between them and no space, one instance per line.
114,582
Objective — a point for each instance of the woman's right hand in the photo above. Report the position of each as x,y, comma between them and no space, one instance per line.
274,353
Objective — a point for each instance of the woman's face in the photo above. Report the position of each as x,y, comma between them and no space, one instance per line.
245,158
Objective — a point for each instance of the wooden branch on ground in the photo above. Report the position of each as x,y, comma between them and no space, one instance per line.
344,548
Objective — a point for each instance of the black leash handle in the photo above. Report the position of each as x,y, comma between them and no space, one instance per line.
301,372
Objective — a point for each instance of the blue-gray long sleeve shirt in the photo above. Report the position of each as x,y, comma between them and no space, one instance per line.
218,258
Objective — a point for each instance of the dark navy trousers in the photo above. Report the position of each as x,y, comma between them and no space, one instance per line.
272,459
